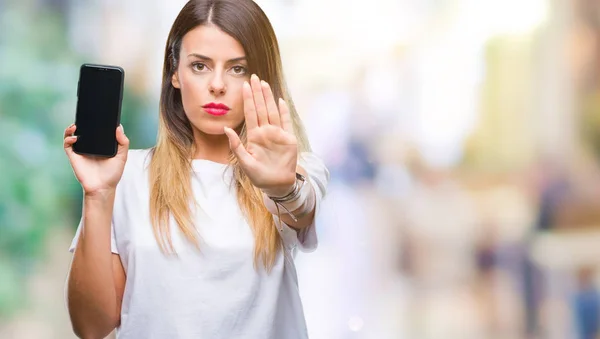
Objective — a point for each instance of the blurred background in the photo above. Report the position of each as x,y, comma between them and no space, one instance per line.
463,139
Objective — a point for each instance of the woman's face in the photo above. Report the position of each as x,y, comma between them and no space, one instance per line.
212,69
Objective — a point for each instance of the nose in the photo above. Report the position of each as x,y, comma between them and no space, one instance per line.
217,85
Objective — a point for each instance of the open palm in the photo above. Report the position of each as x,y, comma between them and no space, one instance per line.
270,156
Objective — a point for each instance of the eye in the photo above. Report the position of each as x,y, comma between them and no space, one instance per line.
238,70
198,66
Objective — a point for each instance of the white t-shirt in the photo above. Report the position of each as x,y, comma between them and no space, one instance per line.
214,293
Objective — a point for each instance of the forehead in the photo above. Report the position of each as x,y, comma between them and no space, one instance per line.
212,42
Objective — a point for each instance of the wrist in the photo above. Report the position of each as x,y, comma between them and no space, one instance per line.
99,195
286,190
297,204
279,191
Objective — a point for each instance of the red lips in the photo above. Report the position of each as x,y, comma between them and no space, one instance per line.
216,109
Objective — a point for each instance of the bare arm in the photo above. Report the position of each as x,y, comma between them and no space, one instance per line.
96,278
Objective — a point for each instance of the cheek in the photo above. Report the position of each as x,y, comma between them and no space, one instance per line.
190,85
237,100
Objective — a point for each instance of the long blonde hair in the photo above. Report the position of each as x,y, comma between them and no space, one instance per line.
170,165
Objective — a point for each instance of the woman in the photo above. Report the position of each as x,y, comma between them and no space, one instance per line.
195,238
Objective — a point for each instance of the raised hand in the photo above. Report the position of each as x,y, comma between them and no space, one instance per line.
97,175
270,156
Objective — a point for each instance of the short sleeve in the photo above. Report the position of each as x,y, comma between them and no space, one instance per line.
137,161
113,242
318,176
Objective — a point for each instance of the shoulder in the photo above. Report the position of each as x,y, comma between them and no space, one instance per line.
138,160
134,180
136,167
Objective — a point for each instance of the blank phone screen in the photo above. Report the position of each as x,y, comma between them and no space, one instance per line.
98,110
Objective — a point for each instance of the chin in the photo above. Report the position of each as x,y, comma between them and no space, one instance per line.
210,128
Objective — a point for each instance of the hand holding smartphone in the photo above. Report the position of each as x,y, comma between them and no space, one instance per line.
99,97
96,144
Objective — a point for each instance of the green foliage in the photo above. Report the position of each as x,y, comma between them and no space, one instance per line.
38,192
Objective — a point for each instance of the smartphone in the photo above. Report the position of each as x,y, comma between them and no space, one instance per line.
99,98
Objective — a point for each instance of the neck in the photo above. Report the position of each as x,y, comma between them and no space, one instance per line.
211,147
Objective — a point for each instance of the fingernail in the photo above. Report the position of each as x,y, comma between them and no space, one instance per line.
264,83
254,76
121,128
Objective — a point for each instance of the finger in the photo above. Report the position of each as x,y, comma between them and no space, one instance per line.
286,118
69,130
69,139
121,137
68,144
249,109
272,111
259,101
238,149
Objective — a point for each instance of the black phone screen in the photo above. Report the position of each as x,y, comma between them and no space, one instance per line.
98,110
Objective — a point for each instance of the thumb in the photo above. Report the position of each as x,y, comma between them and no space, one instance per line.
122,139
236,146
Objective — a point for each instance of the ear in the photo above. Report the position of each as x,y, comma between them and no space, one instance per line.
175,80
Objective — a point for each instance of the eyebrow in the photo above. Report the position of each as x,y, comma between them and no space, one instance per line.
203,57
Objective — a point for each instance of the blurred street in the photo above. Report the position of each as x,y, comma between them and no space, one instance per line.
462,136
